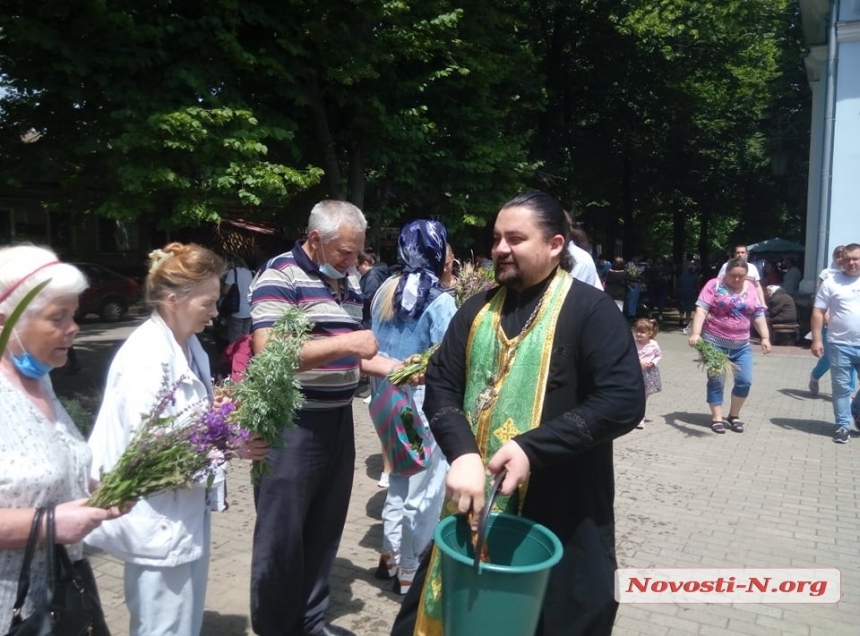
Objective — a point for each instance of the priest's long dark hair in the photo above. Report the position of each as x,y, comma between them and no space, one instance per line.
549,215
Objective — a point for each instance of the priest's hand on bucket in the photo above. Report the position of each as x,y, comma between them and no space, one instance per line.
510,457
465,483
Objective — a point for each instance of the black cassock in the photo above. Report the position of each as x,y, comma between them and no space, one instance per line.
594,394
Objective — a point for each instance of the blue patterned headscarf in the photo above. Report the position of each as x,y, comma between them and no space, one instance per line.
421,251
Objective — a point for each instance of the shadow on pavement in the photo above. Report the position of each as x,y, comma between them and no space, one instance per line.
345,606
373,537
803,394
225,624
373,465
693,424
813,427
343,602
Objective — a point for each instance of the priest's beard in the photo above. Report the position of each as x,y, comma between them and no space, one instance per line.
509,276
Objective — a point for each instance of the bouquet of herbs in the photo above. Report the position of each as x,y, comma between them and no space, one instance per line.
169,452
473,279
714,361
415,365
270,394
416,442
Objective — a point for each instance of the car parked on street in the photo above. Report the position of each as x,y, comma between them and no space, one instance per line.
109,295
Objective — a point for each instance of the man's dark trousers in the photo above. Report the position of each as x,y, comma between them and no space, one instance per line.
302,505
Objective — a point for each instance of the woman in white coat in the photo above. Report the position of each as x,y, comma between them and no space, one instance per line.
164,541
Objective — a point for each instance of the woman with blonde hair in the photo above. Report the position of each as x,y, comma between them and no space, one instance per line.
164,541
411,313
44,460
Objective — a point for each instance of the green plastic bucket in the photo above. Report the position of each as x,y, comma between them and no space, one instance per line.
502,597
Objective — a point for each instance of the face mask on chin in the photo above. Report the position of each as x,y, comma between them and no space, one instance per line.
327,270
29,365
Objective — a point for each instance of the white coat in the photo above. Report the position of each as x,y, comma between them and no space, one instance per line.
166,529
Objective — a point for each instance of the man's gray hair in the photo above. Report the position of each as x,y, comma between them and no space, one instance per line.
31,265
327,217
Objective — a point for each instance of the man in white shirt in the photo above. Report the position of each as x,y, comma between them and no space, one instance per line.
752,273
839,297
583,263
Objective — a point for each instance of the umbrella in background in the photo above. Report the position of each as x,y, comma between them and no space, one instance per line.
776,246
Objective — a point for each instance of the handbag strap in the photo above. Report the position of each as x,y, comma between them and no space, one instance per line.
50,552
24,577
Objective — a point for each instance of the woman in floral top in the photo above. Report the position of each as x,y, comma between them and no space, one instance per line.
43,458
724,310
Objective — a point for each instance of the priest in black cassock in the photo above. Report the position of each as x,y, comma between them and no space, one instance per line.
535,377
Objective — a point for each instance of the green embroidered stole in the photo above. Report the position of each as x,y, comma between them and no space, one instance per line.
494,361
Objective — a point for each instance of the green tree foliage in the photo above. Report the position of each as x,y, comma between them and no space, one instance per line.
657,122
659,115
129,108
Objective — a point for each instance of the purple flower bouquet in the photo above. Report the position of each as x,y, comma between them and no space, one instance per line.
169,452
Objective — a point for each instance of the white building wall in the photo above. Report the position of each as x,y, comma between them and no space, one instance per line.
833,219
845,194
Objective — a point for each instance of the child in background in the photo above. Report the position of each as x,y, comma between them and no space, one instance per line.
644,332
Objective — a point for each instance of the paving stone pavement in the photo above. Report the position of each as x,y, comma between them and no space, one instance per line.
780,495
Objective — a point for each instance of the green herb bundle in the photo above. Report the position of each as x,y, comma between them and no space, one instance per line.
269,396
416,442
714,361
416,367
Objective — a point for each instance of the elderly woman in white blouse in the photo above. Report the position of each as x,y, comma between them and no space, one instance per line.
43,458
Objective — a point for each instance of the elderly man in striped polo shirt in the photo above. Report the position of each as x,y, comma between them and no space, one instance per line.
302,502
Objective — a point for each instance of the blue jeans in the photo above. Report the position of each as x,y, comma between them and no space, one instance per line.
823,365
741,360
633,291
844,363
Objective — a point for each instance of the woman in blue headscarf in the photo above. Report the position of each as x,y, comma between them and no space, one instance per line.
410,313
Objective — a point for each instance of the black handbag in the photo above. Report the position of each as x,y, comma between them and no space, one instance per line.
71,606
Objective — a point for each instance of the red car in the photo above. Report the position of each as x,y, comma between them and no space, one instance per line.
109,294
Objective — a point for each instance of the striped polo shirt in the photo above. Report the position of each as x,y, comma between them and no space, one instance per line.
293,278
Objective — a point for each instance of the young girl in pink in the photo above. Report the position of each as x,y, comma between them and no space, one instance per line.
644,332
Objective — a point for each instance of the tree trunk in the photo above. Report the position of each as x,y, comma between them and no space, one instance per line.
357,182
627,232
704,252
679,235
331,178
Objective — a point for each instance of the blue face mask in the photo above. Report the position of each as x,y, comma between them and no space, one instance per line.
28,365
331,272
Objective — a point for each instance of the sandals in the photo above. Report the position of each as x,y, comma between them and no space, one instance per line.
735,423
718,427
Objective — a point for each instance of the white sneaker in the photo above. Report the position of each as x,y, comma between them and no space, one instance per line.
383,481
366,400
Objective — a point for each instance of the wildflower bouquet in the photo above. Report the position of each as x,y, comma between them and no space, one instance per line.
269,395
472,280
169,452
714,361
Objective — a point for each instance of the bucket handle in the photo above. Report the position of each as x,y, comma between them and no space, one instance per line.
485,517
